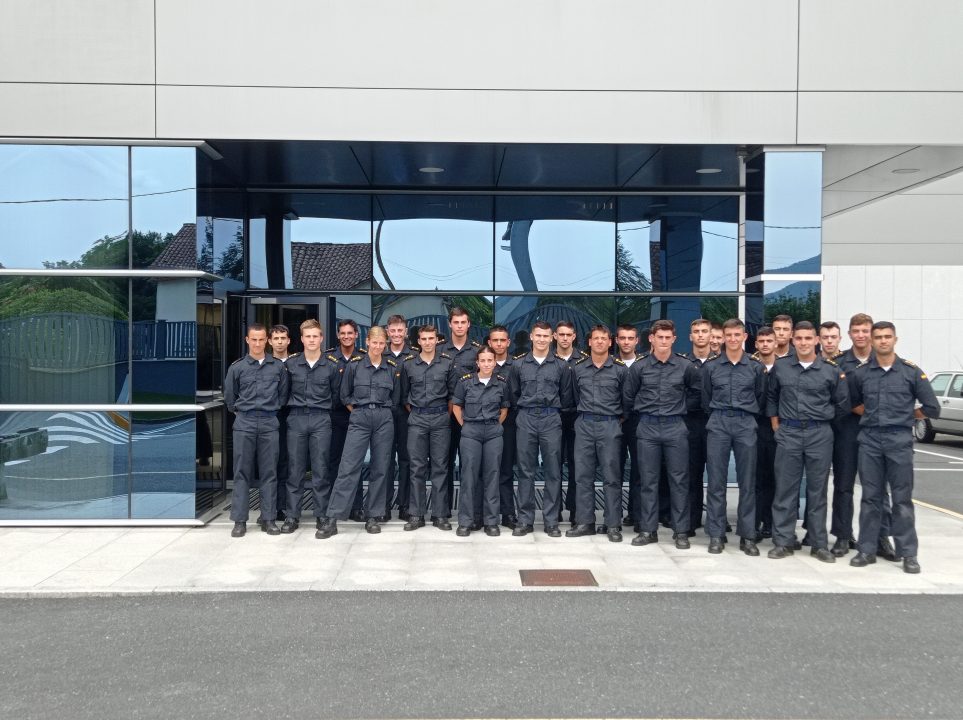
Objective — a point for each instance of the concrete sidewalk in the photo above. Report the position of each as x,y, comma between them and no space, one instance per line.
72,561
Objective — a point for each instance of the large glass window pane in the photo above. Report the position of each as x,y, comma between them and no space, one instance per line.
519,313
348,307
421,310
432,242
210,451
164,340
793,211
164,207
164,463
63,206
555,244
63,340
678,244
63,465
641,312
210,374
220,237
799,300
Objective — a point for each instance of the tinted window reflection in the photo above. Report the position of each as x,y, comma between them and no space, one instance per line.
433,310
642,312
210,313
329,254
793,211
432,242
799,300
163,471
555,243
164,339
64,465
518,314
164,207
349,307
63,206
63,340
220,236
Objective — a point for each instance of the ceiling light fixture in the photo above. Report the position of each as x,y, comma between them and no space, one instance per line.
430,169
709,171
905,171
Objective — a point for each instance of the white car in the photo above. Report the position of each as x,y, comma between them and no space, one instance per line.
948,386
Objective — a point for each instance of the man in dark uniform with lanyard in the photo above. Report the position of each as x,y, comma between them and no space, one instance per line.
660,387
427,381
599,381
279,338
884,394
541,386
765,442
255,388
462,352
700,332
345,351
805,393
626,347
733,394
499,340
398,350
565,349
315,383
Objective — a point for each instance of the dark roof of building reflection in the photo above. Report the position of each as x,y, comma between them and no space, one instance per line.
181,251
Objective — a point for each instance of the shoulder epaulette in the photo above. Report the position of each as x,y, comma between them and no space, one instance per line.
238,360
584,354
713,357
355,359
581,360
618,361
331,349
908,362
466,376
475,343
681,355
332,358
642,356
519,356
837,353
361,350
501,377
406,358
830,361
755,356
445,355
391,362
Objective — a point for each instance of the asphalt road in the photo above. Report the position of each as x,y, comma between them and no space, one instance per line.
938,477
468,655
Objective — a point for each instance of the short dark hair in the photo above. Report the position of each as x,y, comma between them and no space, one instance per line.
600,328
829,325
256,327
627,328
782,318
541,325
804,325
765,331
860,319
884,325
565,323
484,349
458,311
347,321
733,323
717,326
427,329
395,319
700,321
499,328
663,325
279,328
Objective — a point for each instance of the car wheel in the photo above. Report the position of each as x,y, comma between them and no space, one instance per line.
923,431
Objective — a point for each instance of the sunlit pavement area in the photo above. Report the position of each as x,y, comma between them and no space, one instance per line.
207,559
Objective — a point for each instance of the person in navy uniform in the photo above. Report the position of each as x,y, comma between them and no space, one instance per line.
541,386
599,381
427,382
398,350
733,394
370,388
480,406
255,388
884,394
499,340
660,387
765,442
565,336
700,333
315,383
279,338
346,352
805,394
626,350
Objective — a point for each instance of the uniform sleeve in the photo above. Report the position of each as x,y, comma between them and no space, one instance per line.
334,382
397,372
576,390
855,383
452,379
566,389
506,400
762,380
925,394
231,389
693,385
630,387
772,394
623,378
515,383
284,386
706,388
347,383
841,396
458,394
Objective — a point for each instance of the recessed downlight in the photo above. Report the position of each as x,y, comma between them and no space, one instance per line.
905,171
709,171
431,169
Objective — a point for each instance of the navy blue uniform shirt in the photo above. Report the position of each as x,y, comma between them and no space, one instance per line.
819,392
598,390
365,384
665,388
889,396
314,387
252,385
545,384
481,401
734,386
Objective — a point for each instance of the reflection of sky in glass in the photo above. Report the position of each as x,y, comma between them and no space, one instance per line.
565,255
793,210
163,185
84,197
329,230
428,254
257,262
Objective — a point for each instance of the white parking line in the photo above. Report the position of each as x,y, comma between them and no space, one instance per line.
930,452
926,469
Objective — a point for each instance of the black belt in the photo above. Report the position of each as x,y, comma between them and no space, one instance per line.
889,428
308,410
729,412
540,410
483,422
659,419
258,413
597,418
429,410
802,423
370,406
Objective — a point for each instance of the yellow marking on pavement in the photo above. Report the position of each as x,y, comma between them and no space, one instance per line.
939,509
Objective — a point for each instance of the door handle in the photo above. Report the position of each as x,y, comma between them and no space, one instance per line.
946,402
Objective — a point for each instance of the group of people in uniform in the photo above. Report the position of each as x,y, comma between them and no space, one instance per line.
787,413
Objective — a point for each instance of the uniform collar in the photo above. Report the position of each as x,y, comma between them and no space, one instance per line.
367,361
300,359
548,358
268,358
873,363
671,360
794,359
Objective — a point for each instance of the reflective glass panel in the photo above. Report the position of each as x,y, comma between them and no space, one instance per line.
641,312
793,212
210,313
555,244
63,206
63,340
164,339
63,465
164,208
164,465
220,237
435,242
349,307
519,313
678,244
799,300
421,310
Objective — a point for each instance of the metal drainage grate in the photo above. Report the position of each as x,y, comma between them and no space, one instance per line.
558,578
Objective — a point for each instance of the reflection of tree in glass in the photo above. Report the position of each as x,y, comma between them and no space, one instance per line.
205,255
479,309
31,296
230,264
798,308
628,277
719,309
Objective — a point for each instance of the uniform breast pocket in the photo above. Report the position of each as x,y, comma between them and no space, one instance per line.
898,393
362,390
381,386
472,408
530,387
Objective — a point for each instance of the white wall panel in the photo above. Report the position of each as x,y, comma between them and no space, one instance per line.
908,293
956,354
954,301
879,289
466,116
850,287
880,45
934,346
911,344
54,110
827,298
937,281
87,41
497,44
916,118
